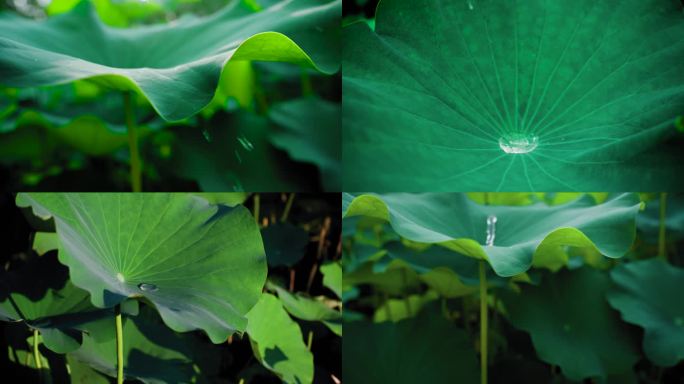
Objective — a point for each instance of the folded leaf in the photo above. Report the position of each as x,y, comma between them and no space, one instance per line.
176,66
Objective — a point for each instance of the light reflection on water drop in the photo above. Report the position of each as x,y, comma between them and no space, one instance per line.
147,287
471,4
491,230
518,144
246,144
206,134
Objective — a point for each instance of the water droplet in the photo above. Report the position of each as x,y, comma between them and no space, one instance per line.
239,158
679,321
491,230
147,287
567,327
206,134
246,144
518,143
120,277
471,4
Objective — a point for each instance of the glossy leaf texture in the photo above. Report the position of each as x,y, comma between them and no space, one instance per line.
202,265
647,293
572,325
514,95
522,236
177,67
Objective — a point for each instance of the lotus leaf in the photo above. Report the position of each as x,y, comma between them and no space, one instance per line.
523,236
392,352
202,265
176,66
572,325
647,293
278,343
535,95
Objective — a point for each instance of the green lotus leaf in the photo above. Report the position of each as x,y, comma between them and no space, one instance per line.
391,352
94,126
202,265
514,95
176,66
152,352
393,279
572,325
524,236
81,373
44,242
399,309
647,293
309,131
277,341
41,295
332,277
310,309
285,244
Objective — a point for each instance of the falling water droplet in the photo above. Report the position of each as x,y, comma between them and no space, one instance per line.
147,287
120,277
206,134
239,158
471,4
491,230
246,144
518,143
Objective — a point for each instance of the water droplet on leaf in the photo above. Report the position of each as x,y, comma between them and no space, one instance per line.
491,230
147,287
206,134
246,144
120,277
518,143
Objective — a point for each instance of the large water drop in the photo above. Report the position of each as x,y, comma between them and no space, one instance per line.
518,143
147,287
491,230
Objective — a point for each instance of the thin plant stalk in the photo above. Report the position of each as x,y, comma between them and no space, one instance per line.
36,356
119,346
483,322
662,246
136,168
288,207
257,207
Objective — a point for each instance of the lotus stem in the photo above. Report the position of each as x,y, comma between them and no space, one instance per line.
288,206
136,173
119,346
483,322
662,246
307,87
257,207
36,355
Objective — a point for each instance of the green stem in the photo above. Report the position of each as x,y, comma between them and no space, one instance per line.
288,207
119,346
36,353
257,207
483,322
136,173
662,247
307,87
